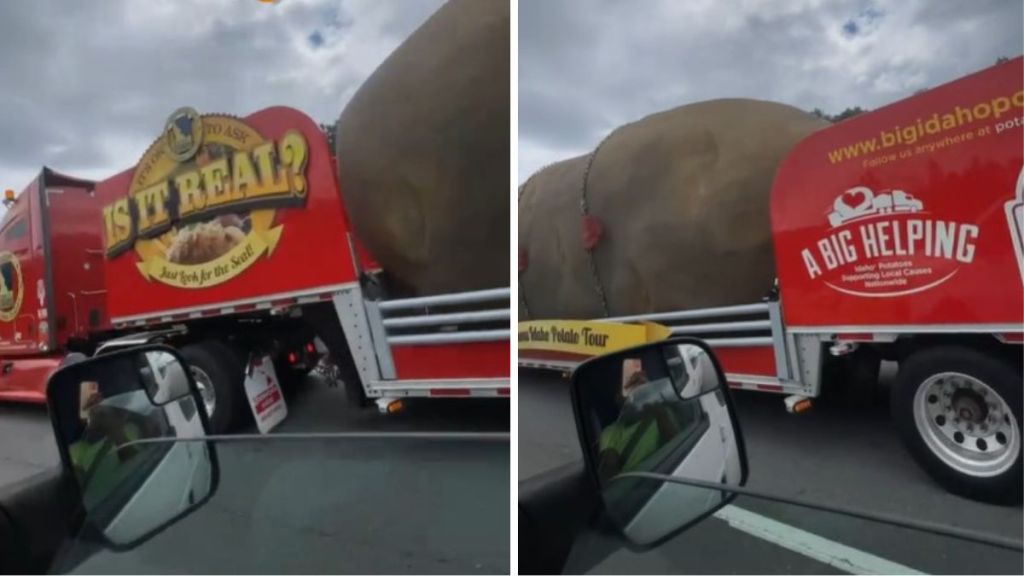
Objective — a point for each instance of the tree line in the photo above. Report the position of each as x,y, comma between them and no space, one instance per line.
851,112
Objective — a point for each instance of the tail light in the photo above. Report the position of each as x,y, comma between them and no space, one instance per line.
310,348
292,358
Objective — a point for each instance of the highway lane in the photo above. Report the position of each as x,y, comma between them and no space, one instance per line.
346,506
26,442
834,453
339,506
27,446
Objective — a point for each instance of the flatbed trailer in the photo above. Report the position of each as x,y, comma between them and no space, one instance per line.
897,236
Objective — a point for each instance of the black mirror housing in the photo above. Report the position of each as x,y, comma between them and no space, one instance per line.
662,408
129,428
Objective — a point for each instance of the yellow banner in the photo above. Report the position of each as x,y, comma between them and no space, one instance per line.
587,337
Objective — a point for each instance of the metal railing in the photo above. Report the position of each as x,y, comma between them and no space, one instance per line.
668,317
462,317
431,320
451,337
742,326
755,331
443,319
457,298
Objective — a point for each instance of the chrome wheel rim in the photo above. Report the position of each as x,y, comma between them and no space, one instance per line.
966,424
206,392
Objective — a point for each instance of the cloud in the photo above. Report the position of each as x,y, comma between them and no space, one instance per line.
86,86
587,66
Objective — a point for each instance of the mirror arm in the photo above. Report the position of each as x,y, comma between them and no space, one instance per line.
892,519
499,437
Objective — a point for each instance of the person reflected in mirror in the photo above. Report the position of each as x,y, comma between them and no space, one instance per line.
109,424
99,430
640,428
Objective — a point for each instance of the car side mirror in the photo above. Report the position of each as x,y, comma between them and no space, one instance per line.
125,425
662,408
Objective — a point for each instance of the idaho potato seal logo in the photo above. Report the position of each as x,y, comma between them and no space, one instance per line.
12,286
183,133
201,204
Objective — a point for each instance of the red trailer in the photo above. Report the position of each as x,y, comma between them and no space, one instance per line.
229,239
898,236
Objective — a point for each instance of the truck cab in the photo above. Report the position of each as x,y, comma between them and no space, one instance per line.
51,281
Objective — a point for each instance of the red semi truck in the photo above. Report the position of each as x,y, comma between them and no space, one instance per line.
229,239
897,236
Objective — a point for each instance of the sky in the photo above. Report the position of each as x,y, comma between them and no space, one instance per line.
588,66
85,87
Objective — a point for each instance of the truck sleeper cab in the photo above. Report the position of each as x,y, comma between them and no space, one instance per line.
52,296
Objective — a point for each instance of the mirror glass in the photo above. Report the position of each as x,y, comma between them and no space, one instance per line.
662,408
164,377
118,417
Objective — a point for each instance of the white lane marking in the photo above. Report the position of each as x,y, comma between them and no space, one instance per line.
811,545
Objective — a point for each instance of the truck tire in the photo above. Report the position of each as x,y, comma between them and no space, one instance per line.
959,413
220,379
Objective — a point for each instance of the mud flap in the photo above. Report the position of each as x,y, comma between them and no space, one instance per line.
264,393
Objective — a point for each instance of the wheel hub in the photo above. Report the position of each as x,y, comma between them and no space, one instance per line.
206,391
969,406
966,424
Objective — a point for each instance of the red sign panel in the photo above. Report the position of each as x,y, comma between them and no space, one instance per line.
222,210
910,214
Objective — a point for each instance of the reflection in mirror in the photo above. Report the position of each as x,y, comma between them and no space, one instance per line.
164,377
661,408
103,408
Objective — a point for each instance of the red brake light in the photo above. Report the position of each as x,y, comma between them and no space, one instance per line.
292,358
310,348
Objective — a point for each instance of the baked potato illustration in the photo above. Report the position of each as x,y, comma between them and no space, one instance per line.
205,241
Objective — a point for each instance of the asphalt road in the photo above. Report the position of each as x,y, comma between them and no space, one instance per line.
324,506
836,453
26,442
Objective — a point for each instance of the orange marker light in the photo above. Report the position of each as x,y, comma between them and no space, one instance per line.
796,404
9,195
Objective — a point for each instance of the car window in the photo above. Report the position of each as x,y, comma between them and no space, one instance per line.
333,505
755,536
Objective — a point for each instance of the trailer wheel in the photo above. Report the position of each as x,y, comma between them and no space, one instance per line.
219,379
959,412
